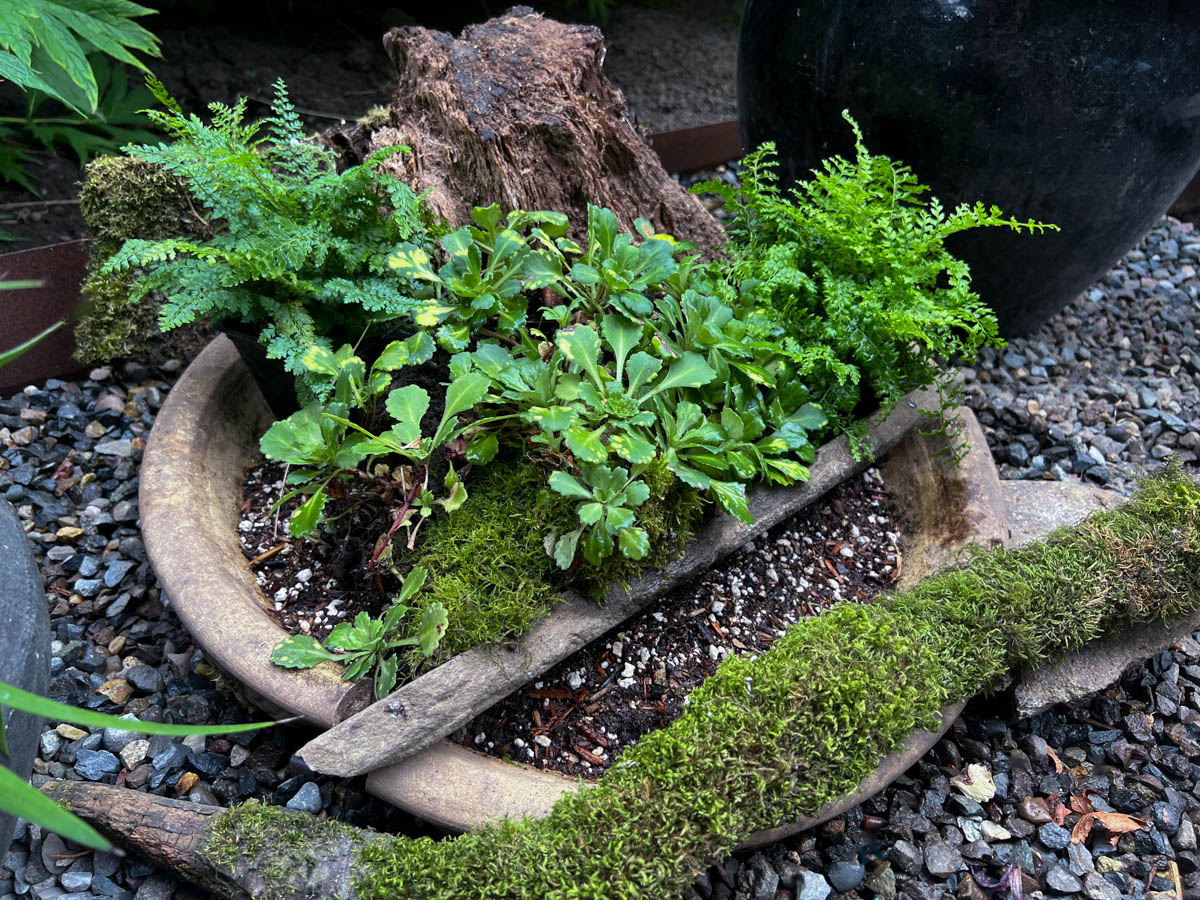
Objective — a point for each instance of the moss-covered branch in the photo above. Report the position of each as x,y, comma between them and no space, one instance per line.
774,738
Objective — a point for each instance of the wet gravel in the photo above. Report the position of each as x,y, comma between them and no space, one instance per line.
1109,389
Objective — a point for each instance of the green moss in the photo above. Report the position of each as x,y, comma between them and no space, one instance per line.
123,198
774,738
290,841
488,564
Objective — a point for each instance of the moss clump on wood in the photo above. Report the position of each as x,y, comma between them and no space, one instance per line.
768,740
321,851
488,563
124,198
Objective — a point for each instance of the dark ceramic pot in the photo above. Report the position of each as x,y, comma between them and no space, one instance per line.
277,386
24,648
1086,115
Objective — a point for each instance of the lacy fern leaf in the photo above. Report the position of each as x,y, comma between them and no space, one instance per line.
299,249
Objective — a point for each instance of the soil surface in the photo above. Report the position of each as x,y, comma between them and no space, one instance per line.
602,699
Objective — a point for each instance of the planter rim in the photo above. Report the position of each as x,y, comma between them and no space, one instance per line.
205,436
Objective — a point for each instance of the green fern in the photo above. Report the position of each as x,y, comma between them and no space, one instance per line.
853,263
298,248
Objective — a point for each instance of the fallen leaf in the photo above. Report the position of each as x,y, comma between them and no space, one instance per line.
1058,763
1116,824
976,783
1057,811
1082,805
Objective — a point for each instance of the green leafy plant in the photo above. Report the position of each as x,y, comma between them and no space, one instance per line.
365,645
316,439
299,249
18,798
488,268
117,121
59,50
854,266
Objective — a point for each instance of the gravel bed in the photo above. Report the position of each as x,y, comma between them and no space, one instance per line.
1108,389
1131,750
1113,378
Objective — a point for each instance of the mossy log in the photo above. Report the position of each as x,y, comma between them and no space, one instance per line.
517,111
762,741
285,854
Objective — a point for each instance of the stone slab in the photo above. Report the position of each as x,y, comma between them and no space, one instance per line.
24,647
1035,508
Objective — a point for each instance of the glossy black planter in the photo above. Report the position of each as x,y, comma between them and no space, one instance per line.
1086,115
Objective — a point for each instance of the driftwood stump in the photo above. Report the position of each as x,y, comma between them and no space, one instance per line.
518,111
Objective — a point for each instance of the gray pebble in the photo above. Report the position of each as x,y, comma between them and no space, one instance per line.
307,799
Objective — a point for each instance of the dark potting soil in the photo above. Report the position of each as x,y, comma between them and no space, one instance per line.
603,698
578,716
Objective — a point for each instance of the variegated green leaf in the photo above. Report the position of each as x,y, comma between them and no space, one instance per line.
634,543
581,345
413,262
301,652
568,485
586,445
630,447
731,497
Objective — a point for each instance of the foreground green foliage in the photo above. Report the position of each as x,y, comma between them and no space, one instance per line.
853,262
774,738
59,51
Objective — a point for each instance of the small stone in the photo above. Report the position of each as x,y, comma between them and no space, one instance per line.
1035,810
75,881
116,572
1185,837
1063,881
882,881
185,783
907,857
122,448
95,764
1054,836
118,690
811,886
993,832
307,799
942,860
145,678
54,854
133,753
845,875
1079,860
1096,887
70,732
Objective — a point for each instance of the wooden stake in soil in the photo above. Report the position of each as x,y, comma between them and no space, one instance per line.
518,111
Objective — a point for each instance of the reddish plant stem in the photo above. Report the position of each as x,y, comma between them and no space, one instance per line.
418,477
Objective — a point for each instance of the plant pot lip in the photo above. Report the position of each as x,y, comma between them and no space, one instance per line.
207,429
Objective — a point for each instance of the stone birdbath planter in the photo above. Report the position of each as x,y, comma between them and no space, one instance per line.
207,435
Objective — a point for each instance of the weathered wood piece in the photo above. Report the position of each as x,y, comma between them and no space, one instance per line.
423,711
302,858
517,111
